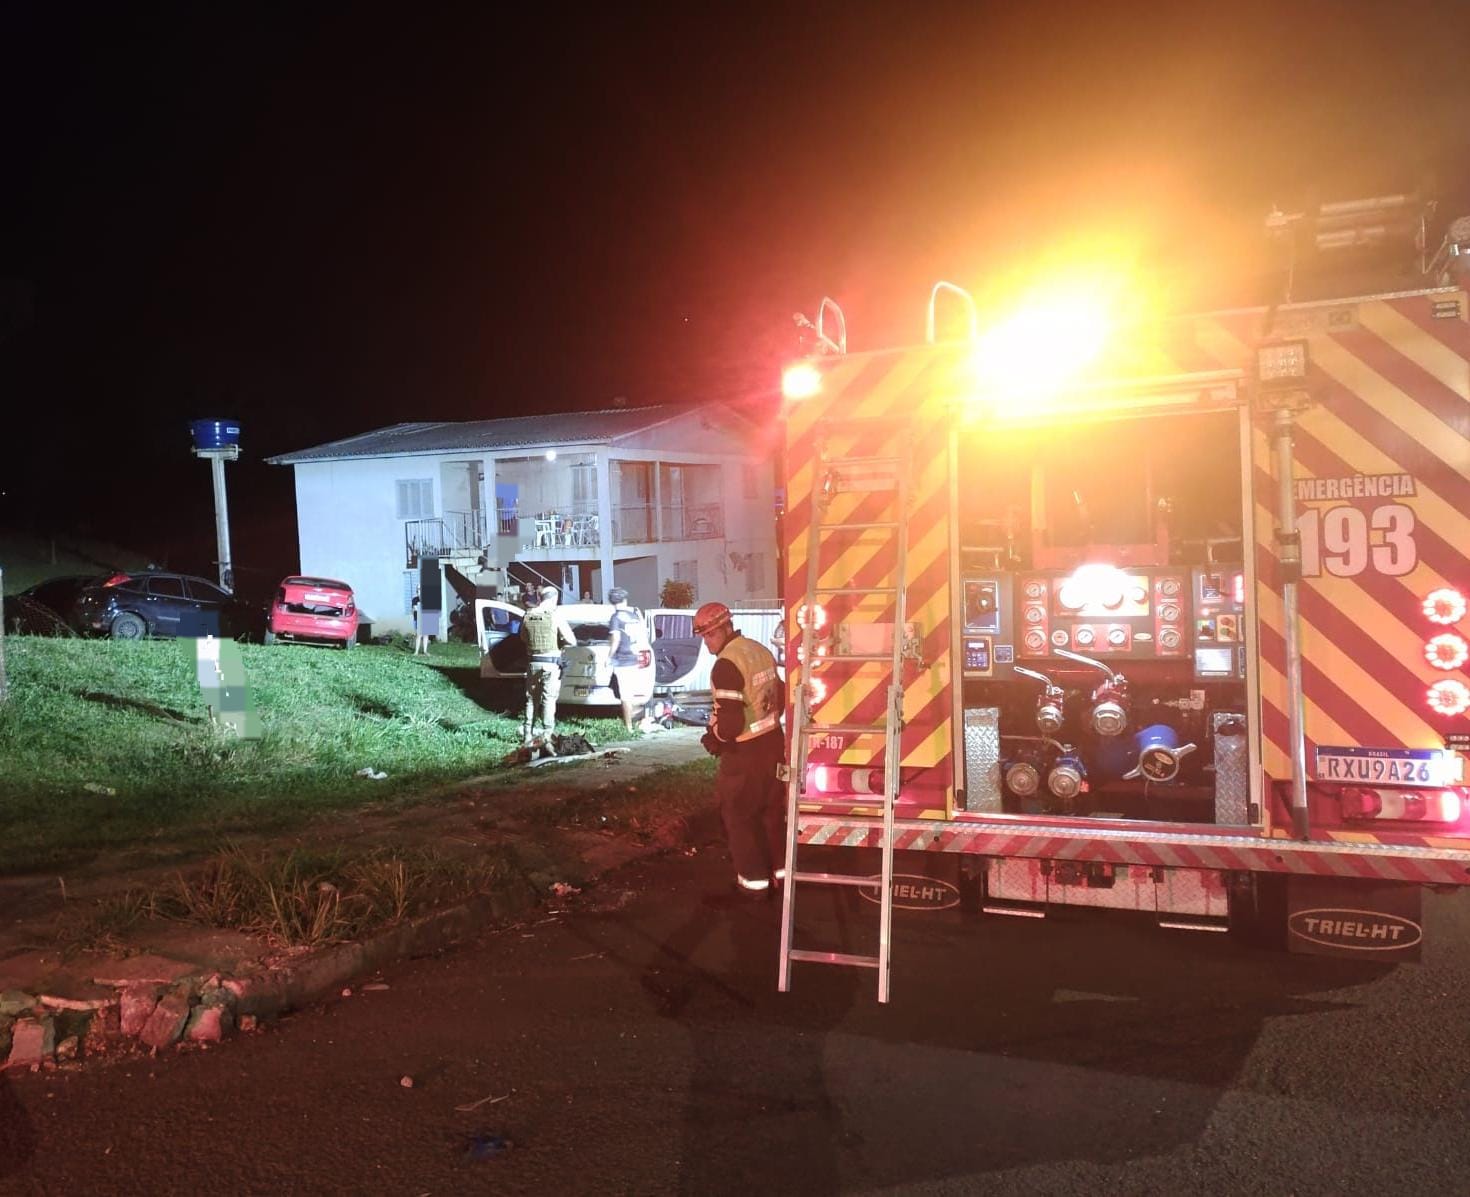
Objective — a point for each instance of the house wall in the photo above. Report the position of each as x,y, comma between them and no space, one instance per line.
739,569
349,527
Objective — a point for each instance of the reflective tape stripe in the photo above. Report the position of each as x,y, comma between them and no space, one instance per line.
759,728
763,883
737,695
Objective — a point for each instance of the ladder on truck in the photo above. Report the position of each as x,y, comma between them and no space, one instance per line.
832,476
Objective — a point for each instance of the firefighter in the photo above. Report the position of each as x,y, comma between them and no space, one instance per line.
545,632
745,735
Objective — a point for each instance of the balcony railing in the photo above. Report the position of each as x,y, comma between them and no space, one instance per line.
453,534
691,521
633,524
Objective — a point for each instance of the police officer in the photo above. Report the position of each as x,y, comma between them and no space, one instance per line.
745,734
545,632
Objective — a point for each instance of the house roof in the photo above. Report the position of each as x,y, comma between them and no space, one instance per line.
476,436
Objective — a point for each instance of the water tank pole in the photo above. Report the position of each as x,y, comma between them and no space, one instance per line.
222,522
218,440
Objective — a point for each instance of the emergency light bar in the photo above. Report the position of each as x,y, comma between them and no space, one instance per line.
801,381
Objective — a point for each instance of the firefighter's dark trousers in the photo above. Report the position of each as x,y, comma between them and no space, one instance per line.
753,805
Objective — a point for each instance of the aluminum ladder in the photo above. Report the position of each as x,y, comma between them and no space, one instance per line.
832,476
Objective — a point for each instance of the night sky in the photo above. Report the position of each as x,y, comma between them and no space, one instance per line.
344,216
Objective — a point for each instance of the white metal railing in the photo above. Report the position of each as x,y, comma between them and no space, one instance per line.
573,526
449,535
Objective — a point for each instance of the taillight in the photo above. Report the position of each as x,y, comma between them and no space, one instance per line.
118,579
1446,651
1449,697
1444,606
645,658
835,779
1429,806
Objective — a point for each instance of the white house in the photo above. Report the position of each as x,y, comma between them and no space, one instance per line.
585,500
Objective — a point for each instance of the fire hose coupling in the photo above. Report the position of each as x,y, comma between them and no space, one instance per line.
1158,753
1068,775
1109,713
1050,703
1023,778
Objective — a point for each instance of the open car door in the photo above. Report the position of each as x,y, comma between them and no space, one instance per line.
498,630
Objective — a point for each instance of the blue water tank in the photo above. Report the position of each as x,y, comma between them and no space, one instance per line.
215,434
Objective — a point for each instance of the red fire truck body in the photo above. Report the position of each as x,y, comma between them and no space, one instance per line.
1180,636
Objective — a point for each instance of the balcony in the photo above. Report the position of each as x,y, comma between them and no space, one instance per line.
454,534
691,521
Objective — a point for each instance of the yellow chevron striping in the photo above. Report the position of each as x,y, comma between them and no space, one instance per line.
1427,352
1395,406
882,395
1423,578
932,750
1430,509
1318,719
1378,701
1222,345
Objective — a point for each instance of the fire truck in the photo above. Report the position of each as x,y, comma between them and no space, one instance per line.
1165,617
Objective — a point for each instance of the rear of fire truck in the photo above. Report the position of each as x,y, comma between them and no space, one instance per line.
1185,624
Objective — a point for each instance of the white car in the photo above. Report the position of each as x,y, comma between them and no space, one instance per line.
586,676
679,661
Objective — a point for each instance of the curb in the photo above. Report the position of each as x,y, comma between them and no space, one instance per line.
41,1031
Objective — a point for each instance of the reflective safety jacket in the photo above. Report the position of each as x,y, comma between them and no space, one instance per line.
760,695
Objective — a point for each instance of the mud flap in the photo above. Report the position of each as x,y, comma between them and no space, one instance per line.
1336,916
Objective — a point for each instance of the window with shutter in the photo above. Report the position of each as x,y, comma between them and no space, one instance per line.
415,498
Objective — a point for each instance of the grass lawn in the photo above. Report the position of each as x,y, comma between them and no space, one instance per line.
107,745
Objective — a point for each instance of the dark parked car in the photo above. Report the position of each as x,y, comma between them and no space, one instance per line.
153,603
48,608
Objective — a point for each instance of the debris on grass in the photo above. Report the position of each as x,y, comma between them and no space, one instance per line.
371,774
471,1107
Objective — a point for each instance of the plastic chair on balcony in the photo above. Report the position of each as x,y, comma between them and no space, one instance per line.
546,529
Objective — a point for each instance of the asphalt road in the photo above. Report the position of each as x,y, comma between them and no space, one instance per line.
636,1044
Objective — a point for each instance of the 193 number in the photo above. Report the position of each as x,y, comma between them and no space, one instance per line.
1341,540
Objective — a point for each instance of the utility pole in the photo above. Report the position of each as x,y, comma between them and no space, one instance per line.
219,441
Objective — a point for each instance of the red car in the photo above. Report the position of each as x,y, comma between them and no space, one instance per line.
313,609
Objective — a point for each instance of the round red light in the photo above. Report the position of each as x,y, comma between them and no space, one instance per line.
1447,651
817,619
1444,606
1449,697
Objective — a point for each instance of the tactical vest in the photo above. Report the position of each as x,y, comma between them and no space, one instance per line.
762,696
540,630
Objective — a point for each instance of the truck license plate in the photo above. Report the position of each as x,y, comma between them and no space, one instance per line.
1388,766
